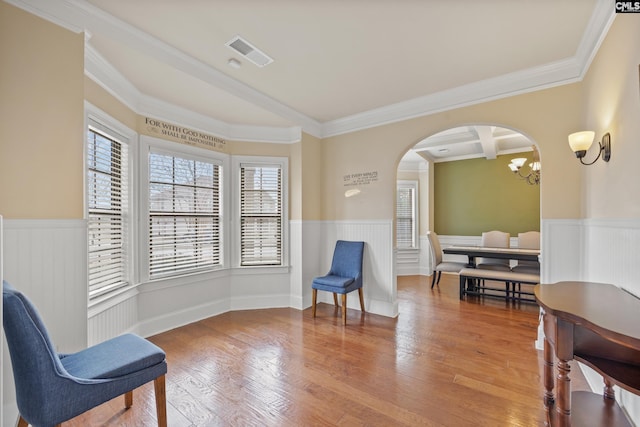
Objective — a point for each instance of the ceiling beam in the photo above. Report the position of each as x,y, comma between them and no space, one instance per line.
489,143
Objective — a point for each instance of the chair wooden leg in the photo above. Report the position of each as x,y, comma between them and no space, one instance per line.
313,302
161,400
128,399
360,294
23,423
335,299
344,309
435,279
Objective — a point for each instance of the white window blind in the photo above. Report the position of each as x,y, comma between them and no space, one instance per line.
184,214
261,215
107,196
406,217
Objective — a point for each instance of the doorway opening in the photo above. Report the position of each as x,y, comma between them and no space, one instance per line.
460,183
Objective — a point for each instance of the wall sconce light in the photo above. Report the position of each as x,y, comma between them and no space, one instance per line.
580,142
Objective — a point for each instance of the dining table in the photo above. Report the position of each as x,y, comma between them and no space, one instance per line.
469,279
472,252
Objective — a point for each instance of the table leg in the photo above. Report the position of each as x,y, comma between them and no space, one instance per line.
609,393
549,398
563,408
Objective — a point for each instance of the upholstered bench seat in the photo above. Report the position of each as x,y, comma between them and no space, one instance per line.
510,278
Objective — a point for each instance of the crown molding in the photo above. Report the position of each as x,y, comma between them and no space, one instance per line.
171,113
98,69
595,33
191,66
78,16
63,13
97,21
530,80
543,77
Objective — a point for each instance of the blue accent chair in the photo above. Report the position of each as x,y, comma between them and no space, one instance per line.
52,388
345,275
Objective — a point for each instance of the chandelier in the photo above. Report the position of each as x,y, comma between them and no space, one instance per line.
532,177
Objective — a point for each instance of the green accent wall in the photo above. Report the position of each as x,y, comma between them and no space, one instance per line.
476,195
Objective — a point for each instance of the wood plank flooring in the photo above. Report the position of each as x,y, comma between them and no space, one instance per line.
441,362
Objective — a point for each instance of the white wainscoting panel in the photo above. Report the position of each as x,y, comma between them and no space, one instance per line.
613,252
121,316
611,255
296,289
307,248
561,250
260,288
451,240
407,262
168,304
379,275
46,260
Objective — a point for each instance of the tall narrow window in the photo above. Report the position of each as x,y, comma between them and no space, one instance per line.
107,206
184,214
406,214
261,215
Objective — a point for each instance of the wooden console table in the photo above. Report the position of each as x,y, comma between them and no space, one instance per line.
599,325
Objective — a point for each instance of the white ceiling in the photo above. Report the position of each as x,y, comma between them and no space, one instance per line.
339,65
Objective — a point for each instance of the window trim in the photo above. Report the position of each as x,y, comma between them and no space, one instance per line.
283,163
412,184
148,144
105,123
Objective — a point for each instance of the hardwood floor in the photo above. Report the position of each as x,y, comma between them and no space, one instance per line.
441,362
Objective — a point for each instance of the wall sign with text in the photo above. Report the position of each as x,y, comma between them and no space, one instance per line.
361,178
181,134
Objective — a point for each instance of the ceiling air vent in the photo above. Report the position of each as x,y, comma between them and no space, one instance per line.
249,51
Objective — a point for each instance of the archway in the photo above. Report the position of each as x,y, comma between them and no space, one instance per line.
475,159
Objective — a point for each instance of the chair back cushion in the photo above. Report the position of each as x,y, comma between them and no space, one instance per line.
436,249
495,239
528,240
347,259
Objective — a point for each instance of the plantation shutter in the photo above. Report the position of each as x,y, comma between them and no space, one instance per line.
184,214
107,196
405,220
261,215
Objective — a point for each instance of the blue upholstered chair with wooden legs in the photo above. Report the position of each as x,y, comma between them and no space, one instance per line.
52,388
344,276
